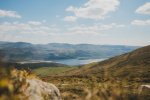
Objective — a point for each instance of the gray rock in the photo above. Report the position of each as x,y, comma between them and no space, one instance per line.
39,90
144,88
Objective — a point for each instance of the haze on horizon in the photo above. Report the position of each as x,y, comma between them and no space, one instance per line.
115,22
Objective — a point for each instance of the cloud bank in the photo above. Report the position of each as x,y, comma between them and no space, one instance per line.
12,14
94,9
141,22
144,9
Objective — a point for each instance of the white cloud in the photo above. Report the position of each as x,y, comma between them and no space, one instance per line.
33,27
141,22
30,27
28,32
5,13
94,9
70,18
144,9
94,29
34,23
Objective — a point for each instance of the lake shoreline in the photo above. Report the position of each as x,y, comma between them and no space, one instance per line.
70,62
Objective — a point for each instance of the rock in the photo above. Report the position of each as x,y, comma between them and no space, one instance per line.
22,85
144,88
39,90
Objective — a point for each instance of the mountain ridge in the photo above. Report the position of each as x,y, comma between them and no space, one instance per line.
22,51
134,65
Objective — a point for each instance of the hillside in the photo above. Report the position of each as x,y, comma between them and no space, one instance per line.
22,51
117,78
134,65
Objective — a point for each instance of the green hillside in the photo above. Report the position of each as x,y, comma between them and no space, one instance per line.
47,71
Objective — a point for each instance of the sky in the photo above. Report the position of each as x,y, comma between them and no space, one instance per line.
113,22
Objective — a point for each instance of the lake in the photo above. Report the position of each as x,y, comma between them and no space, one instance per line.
73,62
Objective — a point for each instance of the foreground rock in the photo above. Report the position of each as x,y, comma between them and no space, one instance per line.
144,88
21,85
39,90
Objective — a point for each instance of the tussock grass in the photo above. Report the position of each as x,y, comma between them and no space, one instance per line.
93,88
12,83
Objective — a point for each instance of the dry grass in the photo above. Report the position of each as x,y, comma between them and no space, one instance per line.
92,88
12,83
71,87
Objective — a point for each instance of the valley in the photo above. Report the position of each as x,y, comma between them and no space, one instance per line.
118,78
114,78
70,62
74,49
22,51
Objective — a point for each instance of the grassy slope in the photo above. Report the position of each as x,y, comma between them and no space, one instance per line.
47,71
111,67
117,78
134,65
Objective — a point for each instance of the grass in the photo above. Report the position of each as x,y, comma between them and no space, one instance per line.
92,88
12,82
72,87
46,71
100,85
78,83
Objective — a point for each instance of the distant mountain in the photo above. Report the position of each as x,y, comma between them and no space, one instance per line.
133,66
21,51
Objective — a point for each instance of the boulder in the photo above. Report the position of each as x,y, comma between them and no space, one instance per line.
144,88
39,90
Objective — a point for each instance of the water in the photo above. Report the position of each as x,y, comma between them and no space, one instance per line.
70,62
73,62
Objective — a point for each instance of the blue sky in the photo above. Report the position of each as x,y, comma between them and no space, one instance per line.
117,22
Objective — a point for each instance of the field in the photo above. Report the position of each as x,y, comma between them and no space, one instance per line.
46,71
94,88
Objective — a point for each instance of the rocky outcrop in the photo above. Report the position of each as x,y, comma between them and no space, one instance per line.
23,85
36,89
144,88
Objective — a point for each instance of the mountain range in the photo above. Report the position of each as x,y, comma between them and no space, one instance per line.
22,51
